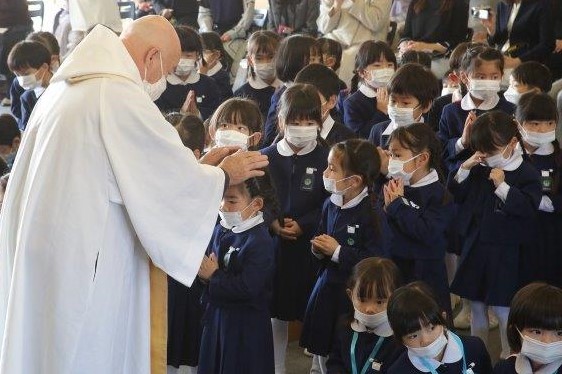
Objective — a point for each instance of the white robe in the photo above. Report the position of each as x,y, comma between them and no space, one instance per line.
84,14
101,184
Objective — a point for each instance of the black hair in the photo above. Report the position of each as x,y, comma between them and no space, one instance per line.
9,130
262,41
476,55
420,5
374,277
538,306
322,77
300,101
455,60
173,117
190,41
238,110
28,54
415,80
418,57
212,41
192,132
370,52
533,74
412,306
493,130
4,183
330,48
293,55
47,39
264,188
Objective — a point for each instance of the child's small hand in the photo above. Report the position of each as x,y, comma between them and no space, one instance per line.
225,38
392,191
398,187
475,159
386,193
382,100
208,267
325,244
291,230
497,176
465,138
190,104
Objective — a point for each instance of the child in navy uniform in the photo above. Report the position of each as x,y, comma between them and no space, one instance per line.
498,193
238,271
534,332
418,209
296,163
482,69
418,322
262,81
411,90
217,63
527,77
294,54
375,64
327,83
349,231
368,334
541,257
187,91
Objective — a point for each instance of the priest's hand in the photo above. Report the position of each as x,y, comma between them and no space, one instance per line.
208,267
215,156
244,165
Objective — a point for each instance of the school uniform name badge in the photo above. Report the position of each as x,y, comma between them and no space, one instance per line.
376,366
351,230
307,183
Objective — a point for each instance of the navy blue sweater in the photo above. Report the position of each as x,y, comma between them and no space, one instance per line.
361,113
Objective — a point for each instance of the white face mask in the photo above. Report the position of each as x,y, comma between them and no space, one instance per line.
28,82
498,160
154,90
536,139
301,136
512,95
330,185
231,138
371,320
379,77
401,116
448,91
539,352
55,67
432,350
185,67
396,170
265,71
484,89
233,219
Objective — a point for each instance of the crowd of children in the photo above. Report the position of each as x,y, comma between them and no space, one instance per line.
369,191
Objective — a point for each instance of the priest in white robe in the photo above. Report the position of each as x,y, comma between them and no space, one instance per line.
101,185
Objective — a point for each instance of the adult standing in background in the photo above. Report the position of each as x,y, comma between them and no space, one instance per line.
352,22
180,12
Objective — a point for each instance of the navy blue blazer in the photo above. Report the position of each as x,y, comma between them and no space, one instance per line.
507,366
532,35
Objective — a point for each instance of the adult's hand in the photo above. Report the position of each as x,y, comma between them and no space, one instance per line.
490,23
215,156
558,47
244,165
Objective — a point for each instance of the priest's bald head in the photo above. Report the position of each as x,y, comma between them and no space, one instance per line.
149,39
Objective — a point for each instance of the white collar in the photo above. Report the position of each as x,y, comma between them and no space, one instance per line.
338,199
430,178
173,79
514,161
258,84
393,126
453,353
285,149
246,225
327,127
39,91
215,69
543,150
523,366
383,329
367,91
468,104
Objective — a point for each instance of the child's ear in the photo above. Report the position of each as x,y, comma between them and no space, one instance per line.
427,108
258,203
464,78
349,294
281,123
330,62
453,78
16,142
424,158
212,132
255,140
332,101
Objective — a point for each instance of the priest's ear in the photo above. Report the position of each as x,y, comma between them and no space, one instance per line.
153,65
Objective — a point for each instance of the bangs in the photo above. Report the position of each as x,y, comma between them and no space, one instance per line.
371,52
301,102
238,111
536,107
375,286
263,44
537,305
491,131
416,317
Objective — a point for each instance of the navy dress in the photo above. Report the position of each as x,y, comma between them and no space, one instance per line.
237,336
507,366
28,100
15,94
541,257
474,352
377,138
339,361
357,230
492,232
270,127
222,79
360,113
419,222
261,96
451,127
300,191
206,91
339,133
